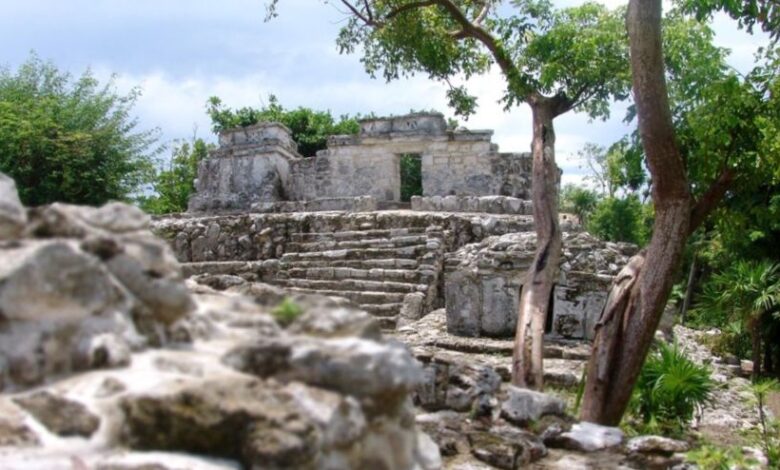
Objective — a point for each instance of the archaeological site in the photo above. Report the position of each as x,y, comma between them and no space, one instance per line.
312,313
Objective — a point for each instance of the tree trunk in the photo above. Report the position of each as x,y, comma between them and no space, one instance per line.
689,289
527,360
636,301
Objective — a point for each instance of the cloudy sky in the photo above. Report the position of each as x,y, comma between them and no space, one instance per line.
180,52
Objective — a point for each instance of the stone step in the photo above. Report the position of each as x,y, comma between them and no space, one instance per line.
354,285
358,297
389,263
382,310
221,267
387,323
405,252
329,245
302,237
377,274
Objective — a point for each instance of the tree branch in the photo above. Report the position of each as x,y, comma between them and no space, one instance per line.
409,6
711,198
368,21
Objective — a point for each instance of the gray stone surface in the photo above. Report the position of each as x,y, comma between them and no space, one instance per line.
59,415
587,437
347,365
483,284
523,406
480,204
656,444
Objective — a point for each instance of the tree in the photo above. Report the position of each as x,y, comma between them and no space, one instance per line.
688,182
70,140
621,220
175,184
310,129
581,201
553,61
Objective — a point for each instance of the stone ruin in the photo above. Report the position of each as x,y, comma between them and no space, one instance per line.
334,225
259,168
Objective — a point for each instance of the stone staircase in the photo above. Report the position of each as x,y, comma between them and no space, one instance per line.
376,269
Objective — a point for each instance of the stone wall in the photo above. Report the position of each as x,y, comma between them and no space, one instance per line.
482,204
259,237
349,204
483,283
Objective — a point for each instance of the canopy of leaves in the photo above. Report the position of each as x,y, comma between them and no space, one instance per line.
175,184
310,129
70,140
578,52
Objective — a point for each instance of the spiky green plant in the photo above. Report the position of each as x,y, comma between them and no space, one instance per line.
671,388
287,311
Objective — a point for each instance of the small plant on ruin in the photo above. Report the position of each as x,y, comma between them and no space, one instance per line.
670,390
287,311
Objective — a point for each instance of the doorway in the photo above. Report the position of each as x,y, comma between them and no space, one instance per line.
411,176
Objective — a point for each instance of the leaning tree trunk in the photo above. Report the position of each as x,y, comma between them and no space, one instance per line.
527,360
636,301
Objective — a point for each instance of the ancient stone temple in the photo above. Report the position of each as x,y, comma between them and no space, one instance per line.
335,225
260,165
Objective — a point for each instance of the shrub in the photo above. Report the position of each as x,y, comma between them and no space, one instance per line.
670,389
310,129
622,220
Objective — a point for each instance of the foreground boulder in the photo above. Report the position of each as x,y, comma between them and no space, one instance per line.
80,287
347,365
60,415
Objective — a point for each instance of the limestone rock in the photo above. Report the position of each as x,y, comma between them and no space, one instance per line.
506,448
107,350
428,455
14,432
587,437
348,365
335,322
523,406
60,220
412,308
242,419
656,444
54,280
456,385
60,415
13,217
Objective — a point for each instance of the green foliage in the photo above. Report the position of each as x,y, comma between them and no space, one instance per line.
579,201
765,13
769,434
174,185
287,311
670,389
622,219
411,176
744,292
70,140
711,457
578,52
310,129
